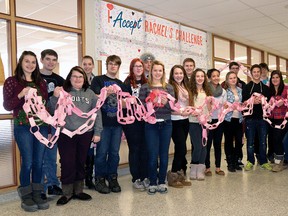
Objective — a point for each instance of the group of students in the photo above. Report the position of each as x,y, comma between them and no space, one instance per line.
148,143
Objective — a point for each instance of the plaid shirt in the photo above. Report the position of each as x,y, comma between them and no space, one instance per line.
280,112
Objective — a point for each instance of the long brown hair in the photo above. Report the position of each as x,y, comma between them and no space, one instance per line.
185,81
193,85
131,78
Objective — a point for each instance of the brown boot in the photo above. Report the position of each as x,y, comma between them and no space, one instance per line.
173,181
182,178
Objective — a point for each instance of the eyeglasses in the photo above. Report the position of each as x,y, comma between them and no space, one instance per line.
77,77
138,66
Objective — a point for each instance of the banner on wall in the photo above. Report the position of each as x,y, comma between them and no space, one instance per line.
130,33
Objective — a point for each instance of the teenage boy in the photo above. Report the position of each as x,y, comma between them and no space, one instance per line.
49,59
255,123
107,151
189,66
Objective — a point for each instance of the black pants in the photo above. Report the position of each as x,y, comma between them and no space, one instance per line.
138,156
233,132
179,137
276,137
214,136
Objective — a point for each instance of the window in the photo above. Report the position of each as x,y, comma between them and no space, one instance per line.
283,65
4,7
66,11
272,62
255,56
240,53
221,48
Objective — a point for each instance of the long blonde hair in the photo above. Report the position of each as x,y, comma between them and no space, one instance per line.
163,79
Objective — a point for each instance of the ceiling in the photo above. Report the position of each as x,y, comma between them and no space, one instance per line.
262,24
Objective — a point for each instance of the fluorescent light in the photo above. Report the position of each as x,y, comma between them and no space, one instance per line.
37,28
47,43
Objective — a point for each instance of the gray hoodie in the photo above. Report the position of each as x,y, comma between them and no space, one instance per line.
85,101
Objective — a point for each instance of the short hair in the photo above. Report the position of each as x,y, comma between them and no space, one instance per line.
264,65
147,56
231,64
49,52
210,71
189,60
255,66
113,58
88,57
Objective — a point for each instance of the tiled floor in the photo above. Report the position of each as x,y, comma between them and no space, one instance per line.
253,193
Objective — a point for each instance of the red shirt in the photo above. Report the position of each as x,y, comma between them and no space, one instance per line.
280,112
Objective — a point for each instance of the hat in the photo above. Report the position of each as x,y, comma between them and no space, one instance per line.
147,56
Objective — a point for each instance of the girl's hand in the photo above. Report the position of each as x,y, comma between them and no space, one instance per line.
96,139
57,91
164,100
23,92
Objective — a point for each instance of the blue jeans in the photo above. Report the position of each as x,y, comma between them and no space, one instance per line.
158,138
285,145
50,165
32,152
261,126
107,152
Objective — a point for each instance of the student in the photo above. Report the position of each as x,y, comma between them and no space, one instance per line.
49,59
134,133
279,92
88,66
73,150
255,123
264,73
200,90
179,80
147,59
216,134
27,75
233,124
158,135
189,66
107,151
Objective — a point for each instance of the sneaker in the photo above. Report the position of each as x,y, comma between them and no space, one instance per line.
55,190
146,183
240,162
152,189
162,188
113,184
101,186
138,185
266,166
248,166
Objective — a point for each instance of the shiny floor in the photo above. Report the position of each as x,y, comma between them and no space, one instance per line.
257,192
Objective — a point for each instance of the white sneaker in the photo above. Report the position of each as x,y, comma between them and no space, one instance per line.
152,189
138,185
162,188
146,183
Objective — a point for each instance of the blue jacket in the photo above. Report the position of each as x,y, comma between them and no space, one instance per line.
231,99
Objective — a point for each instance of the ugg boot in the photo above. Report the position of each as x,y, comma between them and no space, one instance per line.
67,194
27,203
78,191
89,172
278,166
182,178
193,171
173,181
201,172
37,191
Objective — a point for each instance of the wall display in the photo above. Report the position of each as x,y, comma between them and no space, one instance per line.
130,33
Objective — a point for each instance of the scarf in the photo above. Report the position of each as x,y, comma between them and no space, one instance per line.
216,92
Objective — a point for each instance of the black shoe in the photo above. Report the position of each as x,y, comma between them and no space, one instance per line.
89,183
43,196
239,162
231,168
63,200
100,186
114,185
55,190
82,196
237,167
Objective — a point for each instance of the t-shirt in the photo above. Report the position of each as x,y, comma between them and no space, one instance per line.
52,81
109,108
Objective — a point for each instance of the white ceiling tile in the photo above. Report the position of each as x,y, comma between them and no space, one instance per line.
274,9
258,3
